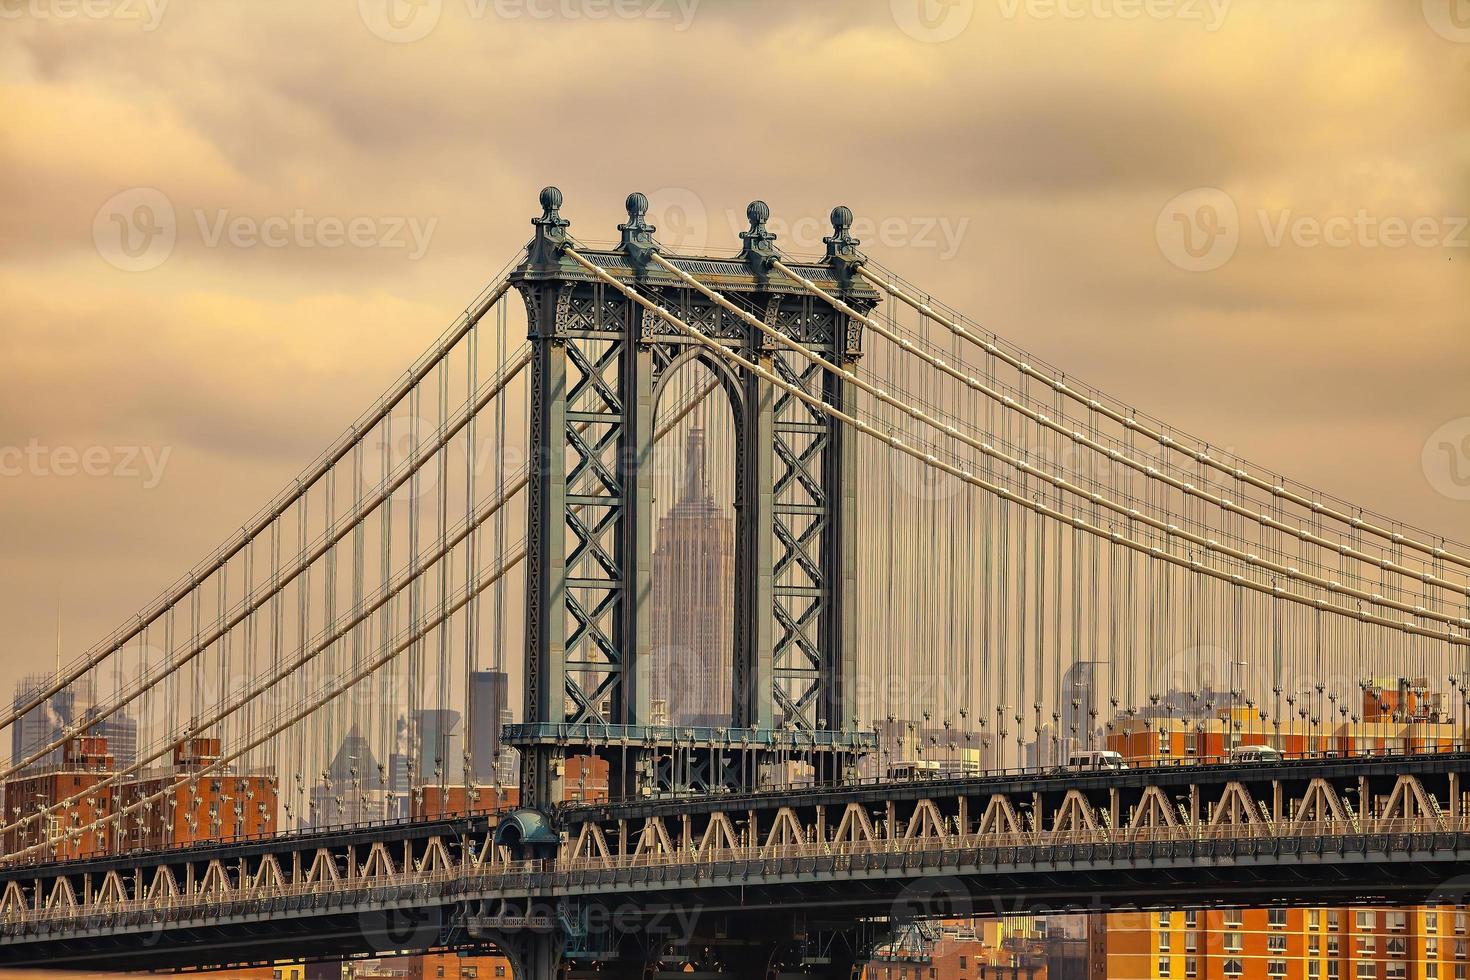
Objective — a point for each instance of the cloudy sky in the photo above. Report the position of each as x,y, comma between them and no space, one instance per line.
226,226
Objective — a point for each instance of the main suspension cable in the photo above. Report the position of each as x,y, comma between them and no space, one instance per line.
296,491
1021,465
253,603
1038,508
1132,424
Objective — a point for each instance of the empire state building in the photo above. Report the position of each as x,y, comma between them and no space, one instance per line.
693,615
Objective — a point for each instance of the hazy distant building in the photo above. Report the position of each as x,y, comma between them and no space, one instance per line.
1080,709
121,732
489,711
46,723
907,747
352,791
438,746
400,785
693,616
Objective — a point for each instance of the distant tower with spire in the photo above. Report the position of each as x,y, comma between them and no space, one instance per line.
693,602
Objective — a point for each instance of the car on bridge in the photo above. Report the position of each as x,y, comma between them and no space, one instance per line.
1099,760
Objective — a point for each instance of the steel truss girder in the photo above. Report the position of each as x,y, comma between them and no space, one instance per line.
1397,833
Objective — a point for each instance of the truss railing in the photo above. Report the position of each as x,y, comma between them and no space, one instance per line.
443,885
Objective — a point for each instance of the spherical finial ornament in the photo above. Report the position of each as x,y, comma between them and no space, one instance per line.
550,198
759,212
637,205
841,218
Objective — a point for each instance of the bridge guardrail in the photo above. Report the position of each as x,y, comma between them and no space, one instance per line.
447,884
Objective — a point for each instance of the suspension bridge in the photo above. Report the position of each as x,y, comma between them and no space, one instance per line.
820,604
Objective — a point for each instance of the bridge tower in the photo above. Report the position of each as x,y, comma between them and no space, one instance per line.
599,364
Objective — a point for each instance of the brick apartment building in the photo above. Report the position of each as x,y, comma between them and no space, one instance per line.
1290,944
1395,715
214,805
84,763
987,949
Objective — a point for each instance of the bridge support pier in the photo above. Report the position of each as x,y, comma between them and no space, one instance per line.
786,961
765,948
535,956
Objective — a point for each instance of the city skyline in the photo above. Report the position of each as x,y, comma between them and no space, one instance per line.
736,490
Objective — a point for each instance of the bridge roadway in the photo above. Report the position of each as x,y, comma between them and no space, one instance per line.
661,877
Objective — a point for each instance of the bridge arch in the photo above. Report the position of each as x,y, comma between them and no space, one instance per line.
695,562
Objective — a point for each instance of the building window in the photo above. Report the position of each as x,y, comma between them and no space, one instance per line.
1163,942
1191,919
1233,918
1459,923
1334,946
1314,945
1276,943
1191,942
1431,922
1395,971
1431,948
1276,968
1397,921
1367,970
1276,918
1365,921
1314,919
1163,920
500,969
1163,966
1431,970
1395,946
1334,919
1233,968
1314,969
1334,969
1232,942
963,964
1459,949
1191,966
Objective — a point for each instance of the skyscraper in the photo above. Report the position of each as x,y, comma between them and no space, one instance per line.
693,603
351,791
438,746
489,710
46,722
121,732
